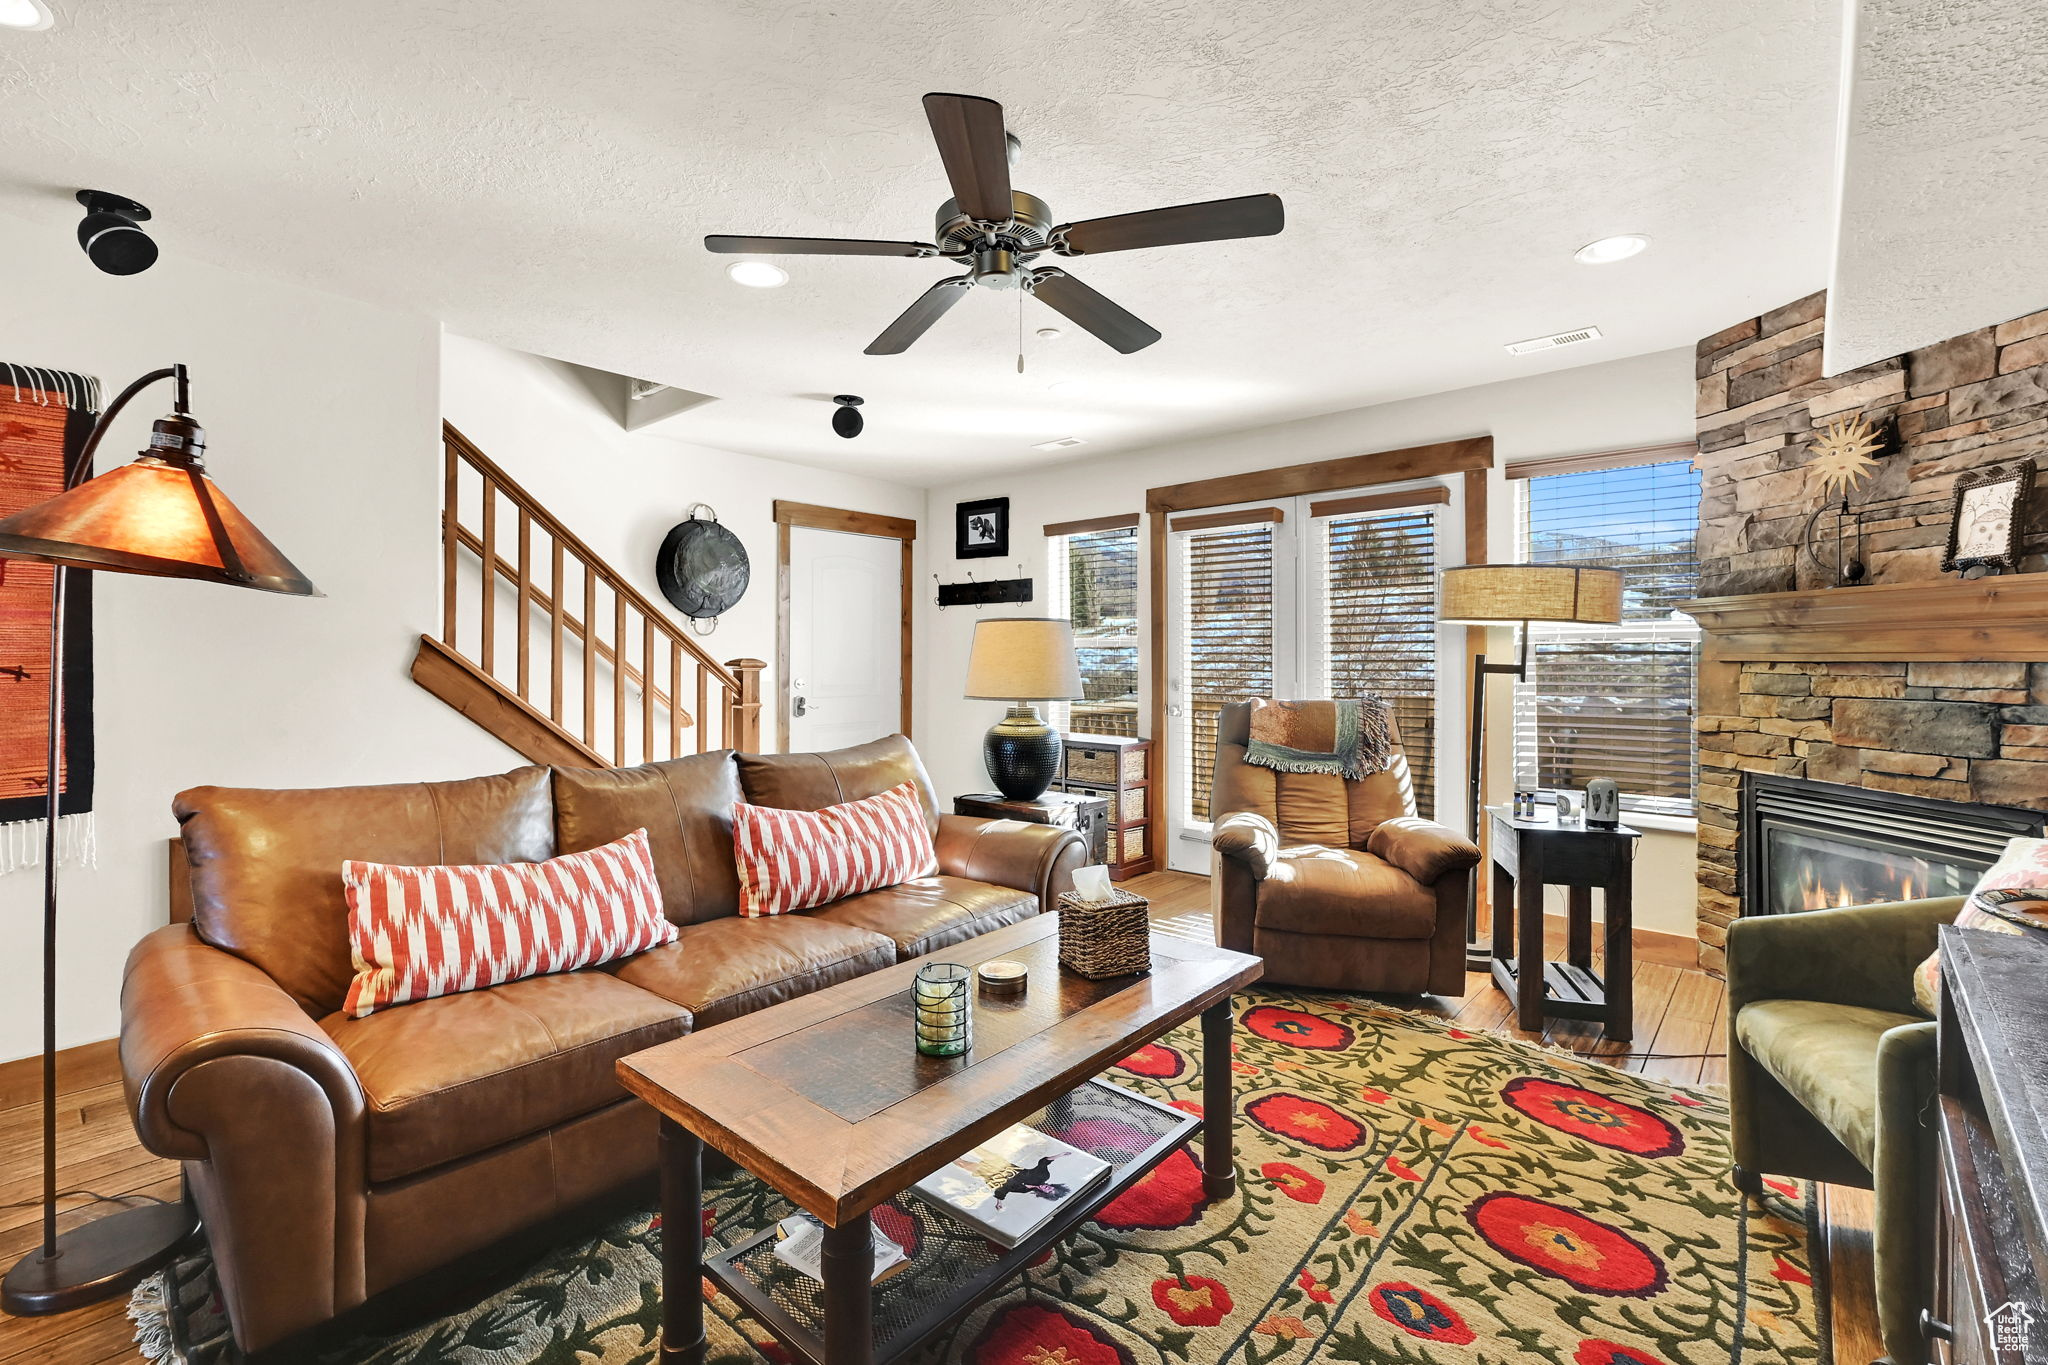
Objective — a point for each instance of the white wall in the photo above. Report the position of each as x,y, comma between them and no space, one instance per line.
552,429
322,419
1641,401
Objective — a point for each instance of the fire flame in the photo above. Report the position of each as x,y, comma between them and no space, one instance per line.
1904,886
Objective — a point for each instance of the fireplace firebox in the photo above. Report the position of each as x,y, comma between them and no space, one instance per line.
1808,845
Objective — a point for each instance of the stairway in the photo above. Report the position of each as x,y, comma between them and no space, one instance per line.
547,647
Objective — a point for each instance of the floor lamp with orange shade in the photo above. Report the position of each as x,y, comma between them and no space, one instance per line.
158,515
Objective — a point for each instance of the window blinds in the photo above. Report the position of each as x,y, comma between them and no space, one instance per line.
1227,613
1379,627
1096,576
1615,701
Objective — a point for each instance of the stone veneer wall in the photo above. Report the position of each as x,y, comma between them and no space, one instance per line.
1958,731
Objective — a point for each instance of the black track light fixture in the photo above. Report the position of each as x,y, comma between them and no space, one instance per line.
846,418
111,235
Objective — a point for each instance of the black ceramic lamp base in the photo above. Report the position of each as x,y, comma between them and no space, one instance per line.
1023,753
97,1260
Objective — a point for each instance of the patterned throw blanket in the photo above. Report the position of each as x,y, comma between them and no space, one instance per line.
1352,739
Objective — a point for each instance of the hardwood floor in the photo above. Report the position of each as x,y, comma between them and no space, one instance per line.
1680,1028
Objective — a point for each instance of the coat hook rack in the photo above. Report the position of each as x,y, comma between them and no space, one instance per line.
980,593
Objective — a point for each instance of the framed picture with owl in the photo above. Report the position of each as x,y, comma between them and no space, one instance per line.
1985,524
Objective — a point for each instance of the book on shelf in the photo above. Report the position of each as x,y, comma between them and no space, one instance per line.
800,1243
1012,1185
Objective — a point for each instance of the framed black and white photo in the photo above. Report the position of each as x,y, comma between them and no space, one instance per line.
981,530
1984,527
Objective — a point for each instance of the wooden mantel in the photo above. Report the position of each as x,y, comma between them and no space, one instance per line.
1947,620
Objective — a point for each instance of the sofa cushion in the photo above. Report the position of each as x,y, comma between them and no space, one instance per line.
724,968
1825,1055
931,913
684,804
265,866
815,781
797,859
452,1077
1316,889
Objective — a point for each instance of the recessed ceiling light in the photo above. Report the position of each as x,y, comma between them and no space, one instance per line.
1608,250
25,14
1066,385
754,274
1063,443
1050,334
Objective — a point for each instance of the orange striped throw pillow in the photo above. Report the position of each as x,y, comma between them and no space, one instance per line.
795,859
421,932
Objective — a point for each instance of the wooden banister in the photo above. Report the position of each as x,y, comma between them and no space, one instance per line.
645,720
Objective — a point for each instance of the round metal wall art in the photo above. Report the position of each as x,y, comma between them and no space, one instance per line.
702,568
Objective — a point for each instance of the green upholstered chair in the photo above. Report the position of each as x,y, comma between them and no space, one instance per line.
1831,1077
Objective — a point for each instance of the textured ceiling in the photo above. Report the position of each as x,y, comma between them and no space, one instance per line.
540,174
1944,208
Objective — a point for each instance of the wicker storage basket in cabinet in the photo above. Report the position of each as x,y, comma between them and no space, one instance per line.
1105,938
1118,770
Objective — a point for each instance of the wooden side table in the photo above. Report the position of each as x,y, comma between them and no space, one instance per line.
1087,816
1529,855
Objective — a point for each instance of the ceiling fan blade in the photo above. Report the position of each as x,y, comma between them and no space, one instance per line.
969,131
814,246
930,306
1123,330
1215,220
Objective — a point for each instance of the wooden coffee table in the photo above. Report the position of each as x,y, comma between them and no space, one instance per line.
828,1102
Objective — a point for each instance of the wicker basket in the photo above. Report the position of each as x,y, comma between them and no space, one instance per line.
1105,938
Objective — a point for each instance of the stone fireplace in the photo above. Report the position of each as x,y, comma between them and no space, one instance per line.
1918,685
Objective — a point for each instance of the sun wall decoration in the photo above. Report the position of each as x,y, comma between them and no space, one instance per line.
1845,454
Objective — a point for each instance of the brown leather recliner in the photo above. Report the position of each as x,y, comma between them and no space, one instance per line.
1338,885
334,1158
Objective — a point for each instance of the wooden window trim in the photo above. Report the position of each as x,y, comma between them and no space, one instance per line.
1212,520
1472,457
1326,476
1081,528
789,514
840,519
1610,459
1438,496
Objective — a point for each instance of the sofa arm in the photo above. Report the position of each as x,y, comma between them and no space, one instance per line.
1904,1180
1863,955
185,1003
1247,838
1015,853
1422,848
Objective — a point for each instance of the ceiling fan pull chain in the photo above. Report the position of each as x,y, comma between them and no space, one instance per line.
1020,331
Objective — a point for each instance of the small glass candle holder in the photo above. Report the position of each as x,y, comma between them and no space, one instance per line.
944,1009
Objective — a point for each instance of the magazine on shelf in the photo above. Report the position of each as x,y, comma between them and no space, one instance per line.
1011,1185
800,1242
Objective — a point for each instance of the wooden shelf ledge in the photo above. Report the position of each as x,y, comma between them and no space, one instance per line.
1947,620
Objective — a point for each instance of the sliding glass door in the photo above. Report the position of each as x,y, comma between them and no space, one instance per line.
1325,597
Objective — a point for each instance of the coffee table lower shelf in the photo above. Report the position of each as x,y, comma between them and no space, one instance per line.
951,1267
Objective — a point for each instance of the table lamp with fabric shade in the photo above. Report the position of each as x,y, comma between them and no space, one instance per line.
159,515
1515,594
1021,660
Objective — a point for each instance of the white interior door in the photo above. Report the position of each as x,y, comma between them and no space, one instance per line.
845,682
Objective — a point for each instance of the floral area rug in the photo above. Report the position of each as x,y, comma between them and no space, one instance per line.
1409,1192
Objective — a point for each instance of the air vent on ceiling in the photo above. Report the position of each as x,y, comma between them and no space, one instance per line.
1063,443
1555,340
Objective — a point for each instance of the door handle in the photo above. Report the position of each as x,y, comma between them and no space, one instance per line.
799,706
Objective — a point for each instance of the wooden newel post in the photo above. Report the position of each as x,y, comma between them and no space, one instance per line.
743,708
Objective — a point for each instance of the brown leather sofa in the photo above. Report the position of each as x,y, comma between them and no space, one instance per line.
332,1158
1338,885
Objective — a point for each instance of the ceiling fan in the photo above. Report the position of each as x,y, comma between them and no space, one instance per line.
996,232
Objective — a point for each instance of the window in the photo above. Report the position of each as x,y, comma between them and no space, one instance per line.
1615,701
1228,616
1094,582
1379,626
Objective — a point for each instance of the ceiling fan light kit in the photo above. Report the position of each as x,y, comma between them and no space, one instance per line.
846,418
996,232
